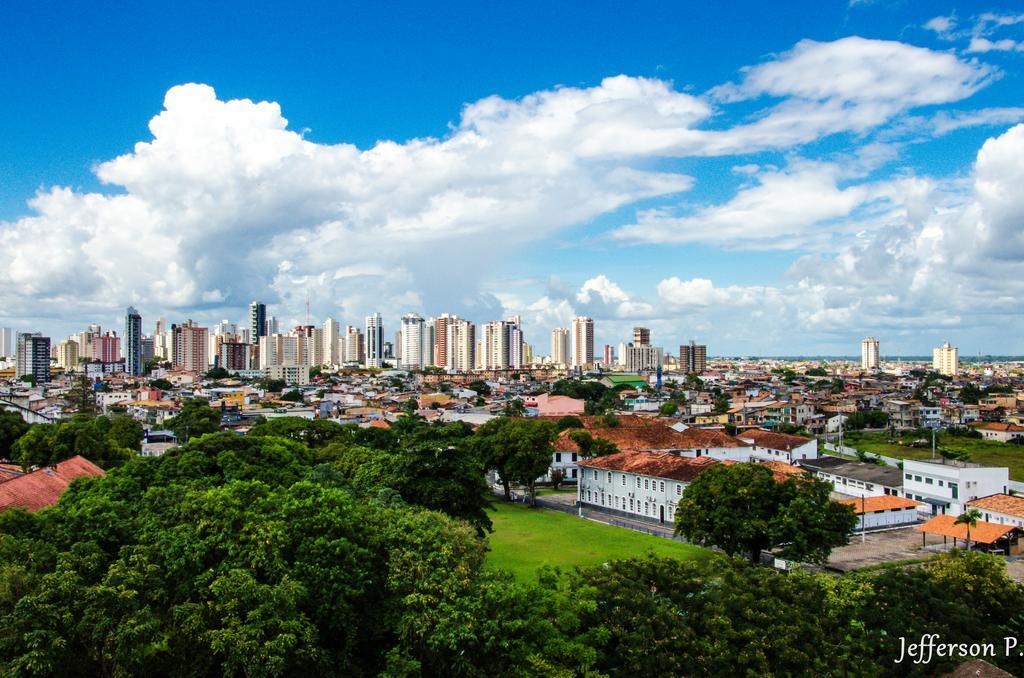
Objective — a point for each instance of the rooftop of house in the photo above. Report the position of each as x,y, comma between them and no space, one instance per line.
654,464
1009,504
44,486
773,440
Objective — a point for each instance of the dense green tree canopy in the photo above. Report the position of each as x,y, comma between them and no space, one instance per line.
195,419
741,508
12,427
105,441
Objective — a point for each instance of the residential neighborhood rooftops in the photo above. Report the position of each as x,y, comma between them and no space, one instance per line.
643,434
655,464
1008,504
44,486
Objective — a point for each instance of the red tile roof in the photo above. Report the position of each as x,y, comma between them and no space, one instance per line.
654,464
635,434
883,502
43,487
983,533
1008,504
782,471
772,440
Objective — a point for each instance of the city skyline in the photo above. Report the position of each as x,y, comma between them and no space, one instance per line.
657,177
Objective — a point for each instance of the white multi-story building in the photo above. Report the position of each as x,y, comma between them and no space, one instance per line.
945,485
946,360
374,341
640,485
354,347
460,345
411,350
6,342
643,358
869,354
582,342
332,342
771,446
560,346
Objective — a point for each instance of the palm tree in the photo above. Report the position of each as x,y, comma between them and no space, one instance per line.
970,519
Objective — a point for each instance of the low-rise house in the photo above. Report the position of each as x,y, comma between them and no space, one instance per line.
545,405
880,512
856,478
945,485
1000,431
1006,509
772,446
638,485
43,487
991,536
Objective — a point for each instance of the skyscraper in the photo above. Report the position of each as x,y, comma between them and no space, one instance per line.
132,342
411,348
332,342
946,360
693,358
869,354
560,346
257,321
582,342
641,336
441,338
461,343
374,340
190,346
6,342
33,357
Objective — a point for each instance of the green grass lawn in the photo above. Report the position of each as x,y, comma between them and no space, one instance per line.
525,538
987,452
562,490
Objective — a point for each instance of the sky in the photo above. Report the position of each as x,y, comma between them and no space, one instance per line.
765,181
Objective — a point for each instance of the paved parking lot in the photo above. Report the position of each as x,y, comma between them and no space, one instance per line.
879,547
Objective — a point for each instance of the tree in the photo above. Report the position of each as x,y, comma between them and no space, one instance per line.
520,450
12,427
81,397
970,518
591,446
569,421
480,387
514,407
557,478
294,396
668,409
217,373
195,419
741,508
162,384
105,441
722,403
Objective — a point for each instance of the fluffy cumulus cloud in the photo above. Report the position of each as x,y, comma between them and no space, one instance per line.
225,203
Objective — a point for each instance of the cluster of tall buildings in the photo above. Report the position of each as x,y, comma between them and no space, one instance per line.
945,358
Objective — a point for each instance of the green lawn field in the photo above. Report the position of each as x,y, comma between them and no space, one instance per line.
987,452
525,538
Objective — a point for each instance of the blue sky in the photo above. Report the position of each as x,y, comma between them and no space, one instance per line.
760,180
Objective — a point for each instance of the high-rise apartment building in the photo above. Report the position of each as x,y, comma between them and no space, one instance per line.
441,338
6,342
869,354
190,346
494,345
641,336
609,356
354,345
374,341
132,342
106,348
582,342
332,342
233,355
257,321
644,358
32,357
461,344
410,351
67,354
693,358
560,346
946,360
